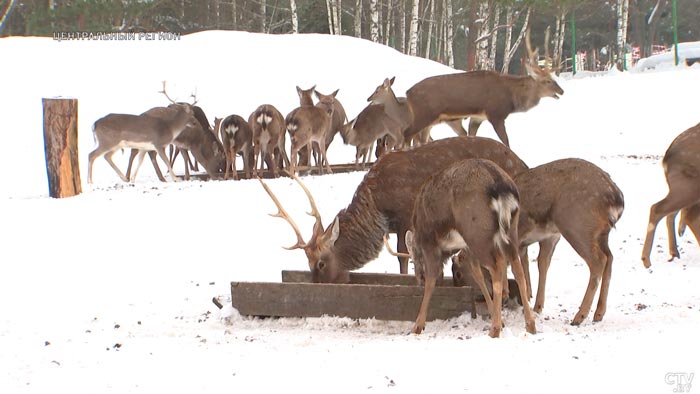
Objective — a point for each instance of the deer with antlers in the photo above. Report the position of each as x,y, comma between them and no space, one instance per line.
471,206
681,164
383,203
478,95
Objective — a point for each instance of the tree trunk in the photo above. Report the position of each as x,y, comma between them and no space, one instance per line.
263,16
402,26
61,147
494,37
482,45
413,30
295,16
622,14
559,33
358,18
374,24
449,33
388,23
430,18
510,50
472,34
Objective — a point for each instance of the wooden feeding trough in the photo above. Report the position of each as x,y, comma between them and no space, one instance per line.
368,295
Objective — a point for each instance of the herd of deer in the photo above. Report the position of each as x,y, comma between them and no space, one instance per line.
467,197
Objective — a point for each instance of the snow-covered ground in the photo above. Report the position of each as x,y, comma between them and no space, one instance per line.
110,291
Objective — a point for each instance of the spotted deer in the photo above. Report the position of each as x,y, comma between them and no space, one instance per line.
575,199
681,165
472,206
269,138
383,203
236,137
478,95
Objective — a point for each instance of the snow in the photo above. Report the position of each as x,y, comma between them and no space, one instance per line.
686,50
110,291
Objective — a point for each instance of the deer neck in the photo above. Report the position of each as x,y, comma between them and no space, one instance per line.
525,94
362,229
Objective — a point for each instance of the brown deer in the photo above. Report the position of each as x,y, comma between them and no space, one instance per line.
682,170
479,95
337,123
197,140
575,199
397,109
383,203
471,205
236,137
308,126
268,128
142,132
371,124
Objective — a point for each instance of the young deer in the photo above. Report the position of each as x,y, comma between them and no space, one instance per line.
337,122
142,132
383,203
480,95
471,206
309,125
268,128
372,124
575,199
682,170
236,136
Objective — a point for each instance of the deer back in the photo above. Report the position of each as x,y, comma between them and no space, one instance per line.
266,122
306,123
237,132
370,124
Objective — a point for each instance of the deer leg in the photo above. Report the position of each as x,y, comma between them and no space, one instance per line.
671,231
246,162
478,276
402,248
161,153
544,259
91,161
256,155
499,125
680,196
138,165
132,156
324,158
229,154
519,274
474,124
273,162
293,160
605,284
188,163
596,259
456,126
430,281
691,218
497,286
233,164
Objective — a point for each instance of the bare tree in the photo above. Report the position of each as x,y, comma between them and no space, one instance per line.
6,13
333,8
358,18
482,43
622,17
449,33
402,26
263,16
374,16
496,19
413,30
510,49
295,16
430,21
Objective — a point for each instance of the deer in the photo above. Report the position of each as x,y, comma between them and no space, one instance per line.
308,126
371,124
472,206
338,121
681,165
268,127
397,109
236,136
575,199
479,95
383,203
143,132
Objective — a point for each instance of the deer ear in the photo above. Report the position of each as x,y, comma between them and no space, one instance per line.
335,231
409,240
391,81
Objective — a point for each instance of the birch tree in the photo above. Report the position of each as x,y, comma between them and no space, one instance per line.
413,30
449,33
358,18
622,17
496,19
509,50
295,16
430,16
374,18
333,9
482,42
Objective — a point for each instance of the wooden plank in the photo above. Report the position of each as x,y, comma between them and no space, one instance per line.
337,169
363,278
350,300
61,146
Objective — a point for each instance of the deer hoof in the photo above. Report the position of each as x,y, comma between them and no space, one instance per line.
417,329
530,327
495,332
577,320
646,262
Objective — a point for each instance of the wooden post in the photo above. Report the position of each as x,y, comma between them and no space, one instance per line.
61,146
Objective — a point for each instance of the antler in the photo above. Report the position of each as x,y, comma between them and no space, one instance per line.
166,94
318,226
532,55
391,251
282,213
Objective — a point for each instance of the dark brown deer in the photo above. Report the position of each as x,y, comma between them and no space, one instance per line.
383,203
682,170
575,199
471,205
479,95
142,132
308,126
268,139
371,124
236,137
